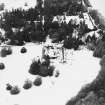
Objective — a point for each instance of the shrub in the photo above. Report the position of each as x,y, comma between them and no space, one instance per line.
8,87
2,66
3,52
15,90
68,44
102,100
46,60
51,70
101,93
28,84
57,73
46,70
99,50
9,51
91,99
91,46
102,62
23,50
43,71
34,68
38,81
6,51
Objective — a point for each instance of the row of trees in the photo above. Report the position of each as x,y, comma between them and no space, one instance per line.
26,25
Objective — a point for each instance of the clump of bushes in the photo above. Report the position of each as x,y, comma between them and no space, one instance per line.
38,81
102,62
6,51
27,84
8,86
99,50
2,66
72,43
90,99
23,50
15,90
41,68
34,68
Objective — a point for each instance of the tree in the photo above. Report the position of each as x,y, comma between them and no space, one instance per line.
56,7
31,14
98,18
2,6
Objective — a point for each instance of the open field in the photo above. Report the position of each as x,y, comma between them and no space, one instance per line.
79,70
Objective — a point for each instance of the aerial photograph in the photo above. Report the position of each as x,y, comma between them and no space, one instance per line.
52,52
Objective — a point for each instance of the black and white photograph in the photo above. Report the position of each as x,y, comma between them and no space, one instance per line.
52,52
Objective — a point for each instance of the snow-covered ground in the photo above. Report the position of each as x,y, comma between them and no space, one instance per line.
81,68
14,4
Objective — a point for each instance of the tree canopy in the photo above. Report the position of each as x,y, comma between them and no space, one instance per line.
58,7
